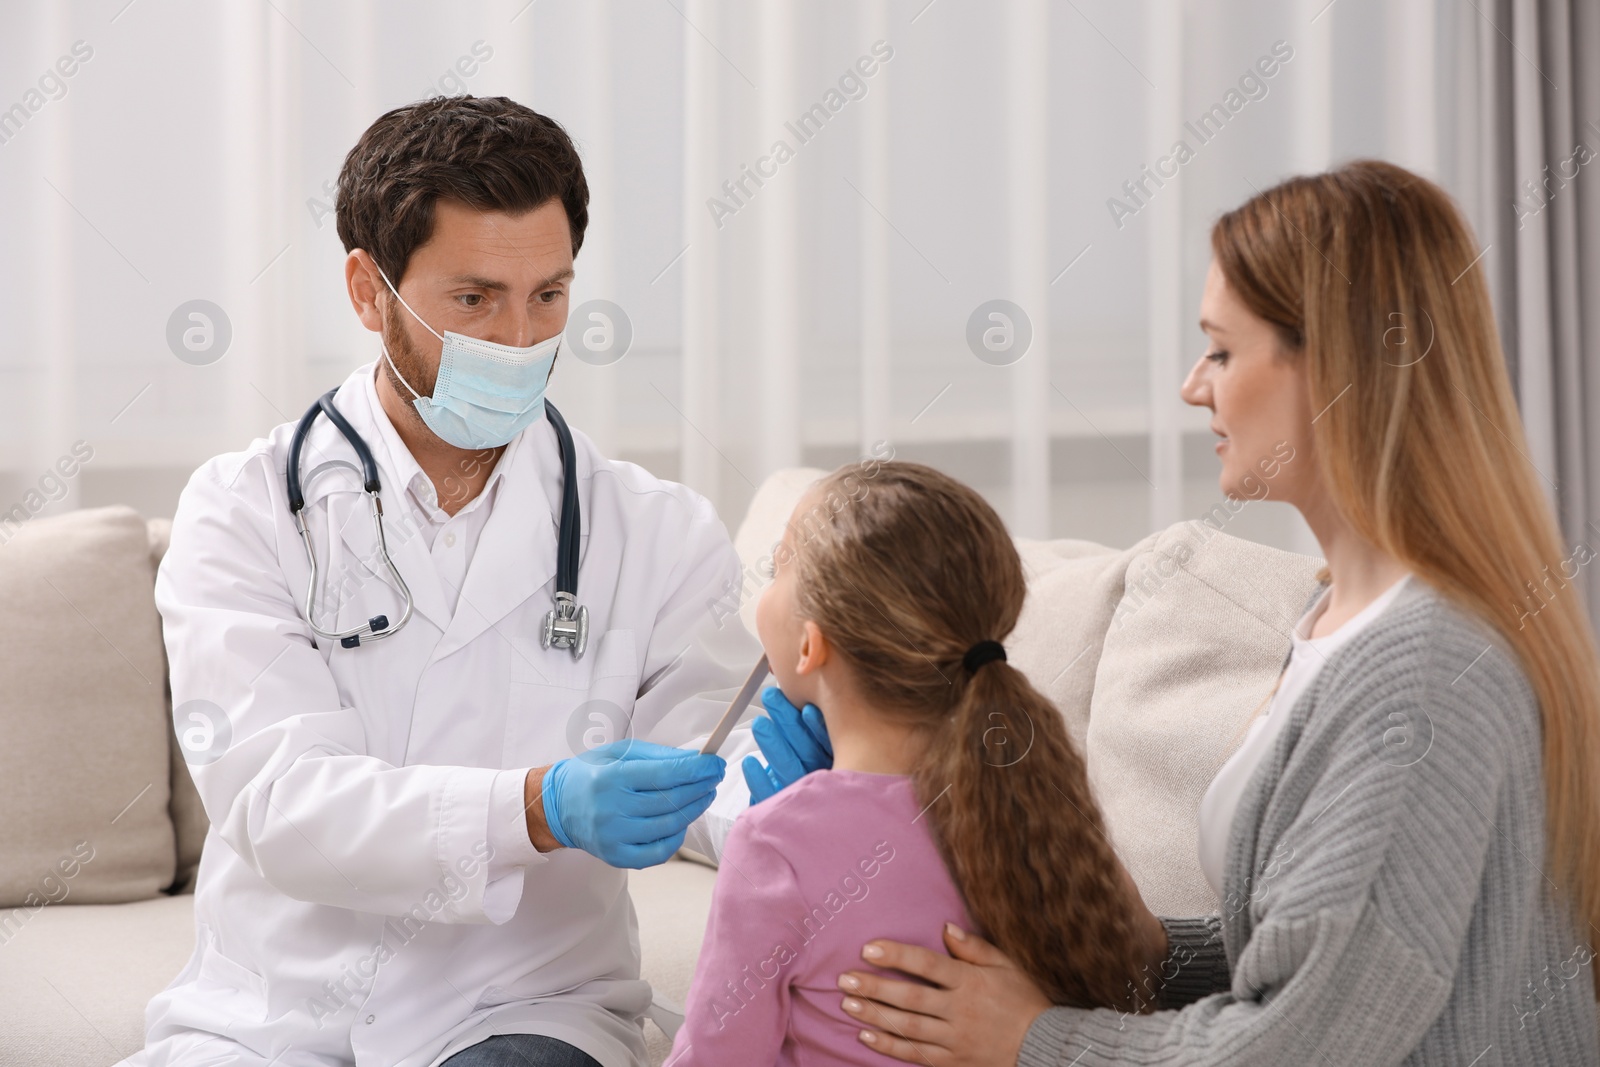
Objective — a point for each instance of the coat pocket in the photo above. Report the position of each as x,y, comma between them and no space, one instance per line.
553,715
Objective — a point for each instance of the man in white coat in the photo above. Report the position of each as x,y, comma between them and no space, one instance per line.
409,863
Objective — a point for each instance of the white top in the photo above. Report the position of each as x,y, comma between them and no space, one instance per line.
1307,655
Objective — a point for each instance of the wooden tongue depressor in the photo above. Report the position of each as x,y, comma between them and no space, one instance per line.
747,693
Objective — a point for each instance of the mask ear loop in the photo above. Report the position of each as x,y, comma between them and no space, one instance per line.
397,373
414,315
405,305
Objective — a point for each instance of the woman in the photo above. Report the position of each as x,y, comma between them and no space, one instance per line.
1406,841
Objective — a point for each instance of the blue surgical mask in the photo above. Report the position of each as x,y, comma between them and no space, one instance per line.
485,393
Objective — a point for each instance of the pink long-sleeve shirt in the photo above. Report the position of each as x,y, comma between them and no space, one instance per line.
808,877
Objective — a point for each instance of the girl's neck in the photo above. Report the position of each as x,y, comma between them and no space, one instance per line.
865,739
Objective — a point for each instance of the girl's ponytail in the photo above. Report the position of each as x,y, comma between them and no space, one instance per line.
1025,842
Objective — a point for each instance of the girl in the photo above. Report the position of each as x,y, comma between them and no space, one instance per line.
955,792
1405,845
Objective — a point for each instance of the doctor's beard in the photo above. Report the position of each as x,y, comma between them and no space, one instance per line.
408,360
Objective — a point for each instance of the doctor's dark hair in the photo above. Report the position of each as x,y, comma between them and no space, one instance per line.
490,153
903,579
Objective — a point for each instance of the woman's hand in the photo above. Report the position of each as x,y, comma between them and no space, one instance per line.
977,1011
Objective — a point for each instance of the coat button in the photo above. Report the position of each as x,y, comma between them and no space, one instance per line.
371,1019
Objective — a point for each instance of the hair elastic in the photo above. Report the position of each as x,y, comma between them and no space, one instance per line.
983,652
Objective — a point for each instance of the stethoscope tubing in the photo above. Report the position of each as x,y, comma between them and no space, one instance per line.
378,627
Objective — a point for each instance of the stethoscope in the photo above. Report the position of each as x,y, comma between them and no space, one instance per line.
566,625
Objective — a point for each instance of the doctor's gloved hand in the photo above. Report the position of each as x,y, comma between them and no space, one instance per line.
629,802
794,741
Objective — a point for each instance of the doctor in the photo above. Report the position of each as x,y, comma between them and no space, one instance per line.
408,862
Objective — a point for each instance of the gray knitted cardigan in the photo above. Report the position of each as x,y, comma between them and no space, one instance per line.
1384,898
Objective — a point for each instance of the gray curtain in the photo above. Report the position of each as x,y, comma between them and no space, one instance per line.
1522,152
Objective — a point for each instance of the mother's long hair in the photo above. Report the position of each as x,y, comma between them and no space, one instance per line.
1371,276
904,575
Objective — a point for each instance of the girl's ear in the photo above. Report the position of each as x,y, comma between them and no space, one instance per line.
813,648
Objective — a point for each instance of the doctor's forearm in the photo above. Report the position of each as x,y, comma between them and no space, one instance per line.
533,805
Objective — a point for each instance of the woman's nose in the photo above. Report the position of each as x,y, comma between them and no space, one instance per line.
1196,389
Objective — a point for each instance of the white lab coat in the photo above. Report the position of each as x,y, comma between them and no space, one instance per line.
341,907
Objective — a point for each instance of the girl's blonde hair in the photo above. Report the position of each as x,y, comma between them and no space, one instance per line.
1372,277
904,576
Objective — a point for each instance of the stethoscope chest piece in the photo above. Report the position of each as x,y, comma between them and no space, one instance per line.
566,625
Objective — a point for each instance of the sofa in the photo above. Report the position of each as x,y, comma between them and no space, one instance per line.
1156,655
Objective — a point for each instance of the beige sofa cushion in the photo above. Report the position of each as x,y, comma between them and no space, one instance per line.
84,772
1074,588
1192,652
75,981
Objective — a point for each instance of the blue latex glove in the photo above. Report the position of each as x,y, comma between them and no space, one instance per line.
794,741
629,802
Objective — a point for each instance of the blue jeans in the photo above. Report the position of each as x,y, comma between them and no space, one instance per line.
521,1050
